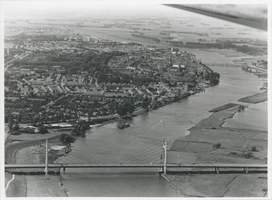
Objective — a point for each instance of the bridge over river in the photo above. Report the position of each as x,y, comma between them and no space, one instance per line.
162,167
172,167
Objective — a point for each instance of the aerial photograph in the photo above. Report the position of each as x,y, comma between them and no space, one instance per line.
135,99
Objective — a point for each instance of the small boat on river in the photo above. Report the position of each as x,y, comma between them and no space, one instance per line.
123,125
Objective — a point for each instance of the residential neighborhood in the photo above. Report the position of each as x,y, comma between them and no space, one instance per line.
67,76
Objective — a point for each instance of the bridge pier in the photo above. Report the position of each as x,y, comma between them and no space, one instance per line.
165,153
46,157
246,170
63,168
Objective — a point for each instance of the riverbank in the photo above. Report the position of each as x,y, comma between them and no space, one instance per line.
29,149
198,146
190,154
256,98
209,142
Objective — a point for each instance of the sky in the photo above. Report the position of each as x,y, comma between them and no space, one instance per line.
114,7
91,7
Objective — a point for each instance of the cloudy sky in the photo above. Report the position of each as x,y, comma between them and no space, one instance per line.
91,7
116,7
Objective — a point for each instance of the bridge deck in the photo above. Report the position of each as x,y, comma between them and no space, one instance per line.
10,166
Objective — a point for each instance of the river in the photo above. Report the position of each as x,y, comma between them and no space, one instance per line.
141,143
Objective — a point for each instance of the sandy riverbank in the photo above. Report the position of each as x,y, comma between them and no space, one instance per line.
32,185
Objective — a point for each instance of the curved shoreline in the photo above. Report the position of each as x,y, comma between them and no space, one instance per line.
12,148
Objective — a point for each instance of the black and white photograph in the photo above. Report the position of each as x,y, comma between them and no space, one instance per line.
154,99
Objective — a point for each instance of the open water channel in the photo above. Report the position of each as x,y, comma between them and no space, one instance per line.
108,144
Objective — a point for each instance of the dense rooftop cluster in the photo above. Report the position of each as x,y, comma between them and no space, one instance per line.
66,77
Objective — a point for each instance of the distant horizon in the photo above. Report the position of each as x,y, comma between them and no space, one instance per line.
109,8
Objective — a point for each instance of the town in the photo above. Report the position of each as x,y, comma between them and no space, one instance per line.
135,99
66,77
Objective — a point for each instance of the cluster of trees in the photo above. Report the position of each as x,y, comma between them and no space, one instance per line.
148,37
228,44
23,36
256,42
204,45
45,38
13,124
75,63
67,139
114,77
213,77
80,128
90,62
126,109
217,146
251,50
127,79
42,129
146,102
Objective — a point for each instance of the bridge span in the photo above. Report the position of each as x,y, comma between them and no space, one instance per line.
160,166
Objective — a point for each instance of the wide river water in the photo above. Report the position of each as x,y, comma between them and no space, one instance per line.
141,143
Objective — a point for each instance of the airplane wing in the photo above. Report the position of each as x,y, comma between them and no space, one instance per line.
250,15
